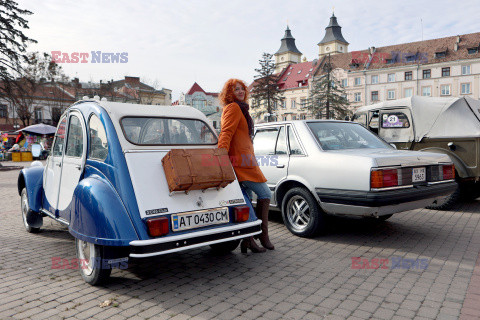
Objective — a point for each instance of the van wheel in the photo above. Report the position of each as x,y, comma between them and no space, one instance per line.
301,213
31,220
225,247
93,267
447,202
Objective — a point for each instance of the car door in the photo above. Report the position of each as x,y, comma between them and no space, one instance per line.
271,150
53,168
73,161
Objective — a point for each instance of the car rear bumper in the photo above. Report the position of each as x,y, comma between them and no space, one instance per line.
378,203
155,247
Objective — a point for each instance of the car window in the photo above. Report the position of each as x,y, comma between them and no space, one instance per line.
360,118
281,147
167,131
394,120
293,142
264,141
59,138
74,138
342,135
98,139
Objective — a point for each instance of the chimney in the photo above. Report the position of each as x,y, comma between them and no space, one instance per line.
458,39
455,46
372,50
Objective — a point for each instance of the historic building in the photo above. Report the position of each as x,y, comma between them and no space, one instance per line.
439,67
207,102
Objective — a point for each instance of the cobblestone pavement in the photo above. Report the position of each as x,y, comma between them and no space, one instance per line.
300,279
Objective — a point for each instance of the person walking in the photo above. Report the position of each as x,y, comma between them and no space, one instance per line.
236,137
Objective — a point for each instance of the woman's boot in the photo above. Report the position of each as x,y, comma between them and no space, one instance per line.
249,243
262,209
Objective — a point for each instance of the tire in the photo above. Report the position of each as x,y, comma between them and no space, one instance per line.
447,202
301,213
385,217
31,220
225,247
94,271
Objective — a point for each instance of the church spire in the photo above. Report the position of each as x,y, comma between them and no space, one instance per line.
333,42
288,52
288,43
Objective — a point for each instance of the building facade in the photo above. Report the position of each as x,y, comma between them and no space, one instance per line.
206,102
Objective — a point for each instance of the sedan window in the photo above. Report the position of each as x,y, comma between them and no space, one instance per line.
341,136
292,140
281,147
74,138
264,141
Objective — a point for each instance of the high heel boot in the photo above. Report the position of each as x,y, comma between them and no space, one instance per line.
262,209
249,243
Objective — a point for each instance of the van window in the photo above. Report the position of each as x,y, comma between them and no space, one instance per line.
360,118
395,120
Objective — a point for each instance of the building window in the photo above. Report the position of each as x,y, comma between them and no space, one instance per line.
427,91
374,95
375,79
446,72
391,77
3,111
303,117
408,75
472,50
408,92
284,103
441,54
303,103
294,104
445,90
344,83
465,70
284,118
427,74
38,114
357,97
199,104
410,58
465,88
391,94
358,81
294,117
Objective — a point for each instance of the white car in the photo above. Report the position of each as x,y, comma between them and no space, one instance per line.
318,167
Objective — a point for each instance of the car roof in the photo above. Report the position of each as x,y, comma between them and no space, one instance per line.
264,124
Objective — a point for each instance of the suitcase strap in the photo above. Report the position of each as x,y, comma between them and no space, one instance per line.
222,183
193,176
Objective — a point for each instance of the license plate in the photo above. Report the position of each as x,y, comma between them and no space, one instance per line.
418,174
199,219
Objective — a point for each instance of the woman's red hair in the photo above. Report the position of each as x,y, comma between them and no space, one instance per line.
227,96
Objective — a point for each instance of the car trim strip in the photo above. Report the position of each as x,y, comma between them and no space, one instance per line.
193,242
51,215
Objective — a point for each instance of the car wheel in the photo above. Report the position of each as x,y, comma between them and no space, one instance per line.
301,213
93,267
31,220
448,201
385,217
225,247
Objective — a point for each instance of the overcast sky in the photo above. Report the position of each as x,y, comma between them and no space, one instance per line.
175,43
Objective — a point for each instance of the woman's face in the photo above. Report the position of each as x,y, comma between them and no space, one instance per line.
239,92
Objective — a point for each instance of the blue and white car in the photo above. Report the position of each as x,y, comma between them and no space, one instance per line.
104,179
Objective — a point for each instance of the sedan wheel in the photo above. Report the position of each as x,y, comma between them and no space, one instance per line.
93,268
31,220
302,214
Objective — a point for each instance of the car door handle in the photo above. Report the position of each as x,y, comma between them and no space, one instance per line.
281,166
79,167
59,164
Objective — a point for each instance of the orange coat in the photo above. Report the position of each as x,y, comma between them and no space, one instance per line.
235,138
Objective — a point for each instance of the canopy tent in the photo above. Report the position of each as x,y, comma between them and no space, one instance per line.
39,129
437,117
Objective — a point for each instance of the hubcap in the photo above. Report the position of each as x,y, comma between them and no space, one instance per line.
298,213
86,254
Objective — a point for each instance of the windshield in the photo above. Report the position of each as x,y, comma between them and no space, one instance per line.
342,136
167,131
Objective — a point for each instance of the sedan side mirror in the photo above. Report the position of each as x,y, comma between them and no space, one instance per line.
393,145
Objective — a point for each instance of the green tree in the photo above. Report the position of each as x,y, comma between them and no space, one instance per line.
265,92
326,96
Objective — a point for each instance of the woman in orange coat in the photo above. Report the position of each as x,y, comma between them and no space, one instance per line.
236,136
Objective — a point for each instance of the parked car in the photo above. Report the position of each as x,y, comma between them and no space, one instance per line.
105,181
448,126
319,167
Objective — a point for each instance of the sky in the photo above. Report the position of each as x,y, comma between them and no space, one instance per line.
172,44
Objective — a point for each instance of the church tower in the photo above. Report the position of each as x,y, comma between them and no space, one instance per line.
288,52
333,41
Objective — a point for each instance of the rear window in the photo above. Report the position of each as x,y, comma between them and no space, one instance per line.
395,120
342,136
167,131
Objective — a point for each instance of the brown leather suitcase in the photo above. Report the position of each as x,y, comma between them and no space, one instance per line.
197,169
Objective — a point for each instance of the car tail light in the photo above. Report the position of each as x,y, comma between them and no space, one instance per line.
157,226
242,213
384,178
448,172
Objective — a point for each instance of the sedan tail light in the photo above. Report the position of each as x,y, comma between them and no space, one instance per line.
448,172
157,226
242,213
384,178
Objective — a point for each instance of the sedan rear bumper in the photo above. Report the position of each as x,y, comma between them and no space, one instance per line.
378,203
155,247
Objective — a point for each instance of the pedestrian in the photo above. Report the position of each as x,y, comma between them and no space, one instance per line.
236,137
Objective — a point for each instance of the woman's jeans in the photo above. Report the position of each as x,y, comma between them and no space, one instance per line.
260,188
